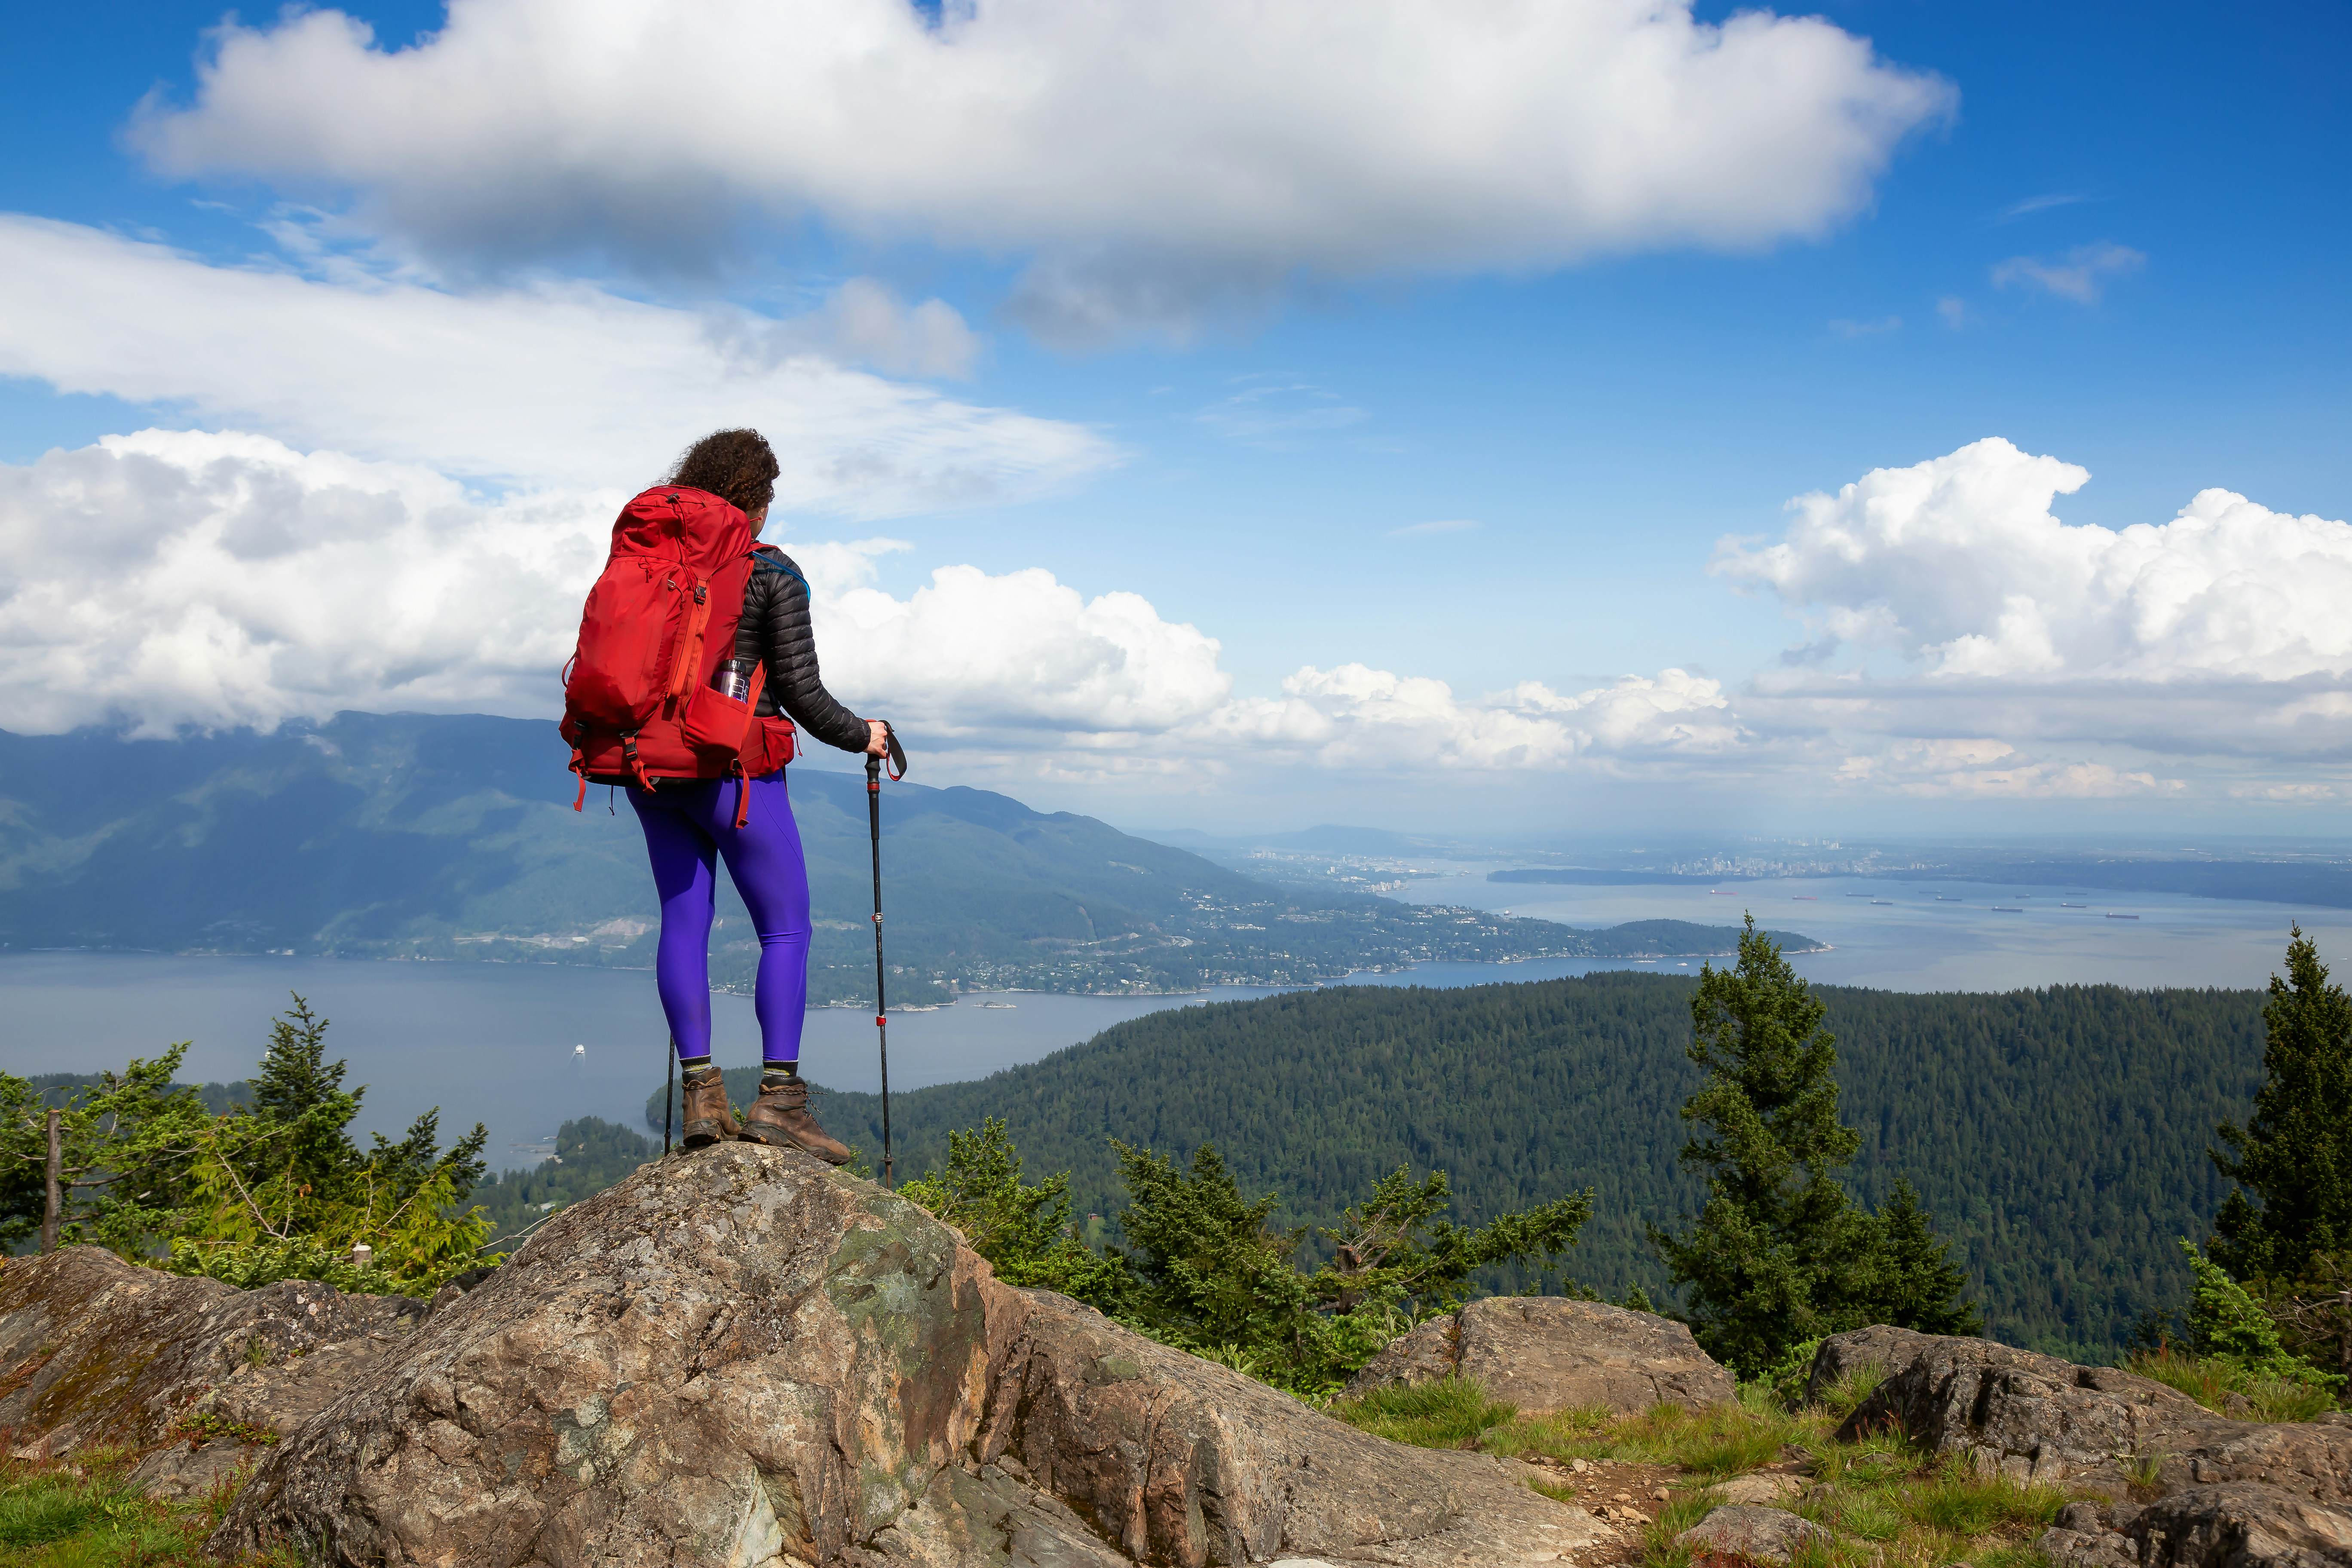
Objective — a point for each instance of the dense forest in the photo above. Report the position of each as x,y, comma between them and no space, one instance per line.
2058,1136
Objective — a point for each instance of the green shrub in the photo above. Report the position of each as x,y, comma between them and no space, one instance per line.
1024,1231
1786,1377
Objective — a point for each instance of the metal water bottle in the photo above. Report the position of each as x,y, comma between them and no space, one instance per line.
732,680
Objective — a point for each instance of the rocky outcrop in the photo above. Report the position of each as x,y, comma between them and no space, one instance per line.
742,1357
1544,1353
1752,1534
2240,1525
2038,1417
97,1351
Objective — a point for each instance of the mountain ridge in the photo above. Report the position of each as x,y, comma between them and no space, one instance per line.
448,836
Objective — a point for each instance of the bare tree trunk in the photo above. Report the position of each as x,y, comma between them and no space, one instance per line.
50,1209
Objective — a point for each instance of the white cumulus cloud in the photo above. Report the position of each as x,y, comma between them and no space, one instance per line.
1150,156
172,578
166,578
1960,564
2215,635
551,385
1357,717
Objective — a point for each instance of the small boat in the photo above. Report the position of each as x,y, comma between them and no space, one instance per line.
1718,893
1888,903
1857,895
1804,898
2073,906
1006,1006
579,1050
2115,916
2007,909
1947,899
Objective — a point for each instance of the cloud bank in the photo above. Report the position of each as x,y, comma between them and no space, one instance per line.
171,578
1151,157
2217,633
547,385
1967,643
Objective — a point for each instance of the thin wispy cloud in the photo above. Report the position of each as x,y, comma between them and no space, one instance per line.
2041,204
1272,411
1443,525
1954,312
1846,328
2081,275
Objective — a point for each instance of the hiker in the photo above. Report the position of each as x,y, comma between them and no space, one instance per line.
691,702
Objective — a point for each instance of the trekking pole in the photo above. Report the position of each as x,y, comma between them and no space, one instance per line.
669,1095
881,1010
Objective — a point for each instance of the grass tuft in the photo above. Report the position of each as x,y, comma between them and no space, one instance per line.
1883,1503
1712,1444
1958,1500
84,1515
1681,1512
50,1508
1846,1395
1446,1413
2211,1380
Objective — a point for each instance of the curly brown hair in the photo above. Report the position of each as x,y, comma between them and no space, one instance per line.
736,466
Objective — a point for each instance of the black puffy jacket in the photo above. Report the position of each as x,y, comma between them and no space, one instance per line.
775,629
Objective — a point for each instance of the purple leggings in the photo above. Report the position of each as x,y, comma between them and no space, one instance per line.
689,824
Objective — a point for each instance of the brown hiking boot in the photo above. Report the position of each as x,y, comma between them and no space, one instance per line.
781,1116
708,1118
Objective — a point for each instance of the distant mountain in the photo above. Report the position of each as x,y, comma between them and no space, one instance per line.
1324,839
436,836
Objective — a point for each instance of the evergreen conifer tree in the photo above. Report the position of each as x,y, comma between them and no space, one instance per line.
2293,1155
1912,1282
1779,1254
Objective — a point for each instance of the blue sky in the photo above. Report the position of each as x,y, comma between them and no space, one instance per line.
2111,237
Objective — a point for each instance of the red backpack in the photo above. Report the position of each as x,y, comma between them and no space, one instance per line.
638,704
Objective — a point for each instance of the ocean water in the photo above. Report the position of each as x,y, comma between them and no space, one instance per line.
522,1048
518,1048
1930,935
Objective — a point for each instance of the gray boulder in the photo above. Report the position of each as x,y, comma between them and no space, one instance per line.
2035,1416
95,1352
2242,1524
2086,1549
742,1356
1753,1534
1760,1487
1546,1352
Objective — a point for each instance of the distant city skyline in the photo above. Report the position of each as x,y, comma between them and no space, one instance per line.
1883,419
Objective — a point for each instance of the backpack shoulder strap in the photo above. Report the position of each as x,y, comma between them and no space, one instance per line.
768,558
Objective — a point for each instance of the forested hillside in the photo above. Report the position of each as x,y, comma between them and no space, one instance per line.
2059,1135
450,836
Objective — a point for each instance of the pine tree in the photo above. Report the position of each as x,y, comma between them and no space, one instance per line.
1913,1283
1779,1254
2293,1155
301,1117
1766,1254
